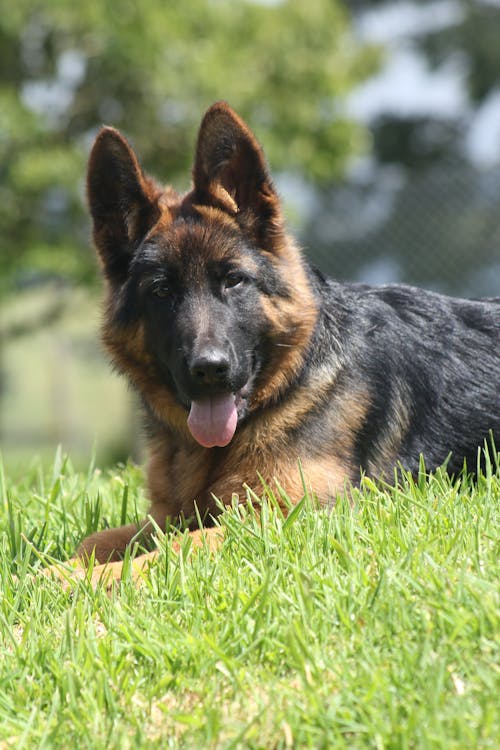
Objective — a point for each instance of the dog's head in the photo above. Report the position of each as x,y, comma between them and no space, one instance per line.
209,306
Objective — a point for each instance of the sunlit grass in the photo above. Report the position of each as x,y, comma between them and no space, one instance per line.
375,625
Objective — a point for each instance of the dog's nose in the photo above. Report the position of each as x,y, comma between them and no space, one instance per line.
210,367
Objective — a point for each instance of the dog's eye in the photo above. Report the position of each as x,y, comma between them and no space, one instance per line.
160,291
233,280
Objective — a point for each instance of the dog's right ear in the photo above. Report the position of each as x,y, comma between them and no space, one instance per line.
123,202
230,172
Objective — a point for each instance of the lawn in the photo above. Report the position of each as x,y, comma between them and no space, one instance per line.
372,626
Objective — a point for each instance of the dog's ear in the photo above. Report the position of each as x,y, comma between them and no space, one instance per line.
230,172
123,202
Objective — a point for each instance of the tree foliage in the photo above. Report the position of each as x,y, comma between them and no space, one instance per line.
151,68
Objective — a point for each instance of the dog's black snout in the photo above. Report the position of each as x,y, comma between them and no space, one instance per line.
210,367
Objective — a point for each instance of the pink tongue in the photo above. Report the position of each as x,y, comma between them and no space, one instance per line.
212,421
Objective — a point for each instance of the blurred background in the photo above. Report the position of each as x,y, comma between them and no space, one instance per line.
381,122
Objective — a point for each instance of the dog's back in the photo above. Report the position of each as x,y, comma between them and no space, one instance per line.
430,367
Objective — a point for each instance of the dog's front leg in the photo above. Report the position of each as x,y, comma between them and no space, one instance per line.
100,575
106,549
110,545
109,572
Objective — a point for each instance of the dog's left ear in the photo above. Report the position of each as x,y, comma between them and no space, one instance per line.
230,172
123,202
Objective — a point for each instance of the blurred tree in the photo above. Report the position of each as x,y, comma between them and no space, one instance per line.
151,68
476,39
425,211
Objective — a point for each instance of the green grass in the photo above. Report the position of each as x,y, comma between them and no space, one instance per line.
372,626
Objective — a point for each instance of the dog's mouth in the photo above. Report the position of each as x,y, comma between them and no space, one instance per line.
212,420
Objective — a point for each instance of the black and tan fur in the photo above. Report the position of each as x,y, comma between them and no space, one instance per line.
347,378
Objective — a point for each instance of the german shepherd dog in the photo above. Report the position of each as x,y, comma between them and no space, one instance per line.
248,360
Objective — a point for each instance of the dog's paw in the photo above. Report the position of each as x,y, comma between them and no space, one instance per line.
108,575
105,576
66,573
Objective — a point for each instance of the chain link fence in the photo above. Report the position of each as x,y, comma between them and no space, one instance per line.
438,227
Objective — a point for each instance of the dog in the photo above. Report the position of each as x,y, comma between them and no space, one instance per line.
248,360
